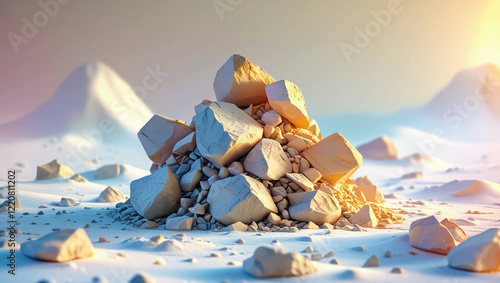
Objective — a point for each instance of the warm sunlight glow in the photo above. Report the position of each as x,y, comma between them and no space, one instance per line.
488,36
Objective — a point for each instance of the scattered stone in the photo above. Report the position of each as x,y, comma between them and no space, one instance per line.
381,148
316,257
365,217
142,278
179,223
109,171
329,254
373,261
103,240
273,262
335,262
430,235
241,82
160,261
480,253
413,175
316,206
397,270
334,157
216,255
228,127
366,190
150,225
157,239
156,195
79,178
267,160
240,241
388,254
53,169
240,198
60,246
4,207
286,99
308,250
238,226
110,195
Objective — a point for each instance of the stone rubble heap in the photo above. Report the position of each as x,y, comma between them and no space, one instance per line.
252,160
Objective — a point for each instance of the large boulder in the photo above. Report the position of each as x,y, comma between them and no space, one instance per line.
316,206
270,262
241,82
159,136
267,160
366,190
156,195
431,235
60,246
286,99
334,157
240,198
53,169
225,133
480,253
381,148
111,194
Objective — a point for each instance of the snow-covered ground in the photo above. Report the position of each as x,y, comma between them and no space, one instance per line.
449,166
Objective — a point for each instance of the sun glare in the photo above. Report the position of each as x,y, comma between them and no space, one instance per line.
488,36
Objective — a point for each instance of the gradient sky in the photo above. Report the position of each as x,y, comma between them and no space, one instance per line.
405,62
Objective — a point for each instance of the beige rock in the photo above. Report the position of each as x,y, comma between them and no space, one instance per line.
313,175
67,202
241,82
53,169
413,175
111,194
365,217
60,246
150,225
159,136
179,223
381,148
301,180
430,235
270,262
480,253
6,206
300,144
78,178
235,168
185,145
368,189
267,160
109,171
373,261
142,278
190,180
156,195
225,133
316,206
314,128
238,226
455,230
240,198
334,157
271,118
286,99
274,219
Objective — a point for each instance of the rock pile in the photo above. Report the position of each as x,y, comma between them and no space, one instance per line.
252,160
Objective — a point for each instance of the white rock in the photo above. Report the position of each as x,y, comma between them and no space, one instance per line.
159,136
299,144
111,194
185,145
240,198
286,99
312,174
60,246
430,235
480,253
179,223
301,180
109,171
67,202
53,169
365,217
225,133
368,189
236,168
381,148
316,206
271,118
334,157
156,195
190,180
241,82
270,262
267,160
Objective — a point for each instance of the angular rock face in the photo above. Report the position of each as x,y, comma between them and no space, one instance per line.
185,145
267,160
334,157
159,136
179,223
381,148
286,99
316,206
369,191
240,198
156,195
365,217
480,253
241,82
67,202
60,246
225,133
430,235
53,169
111,194
272,262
